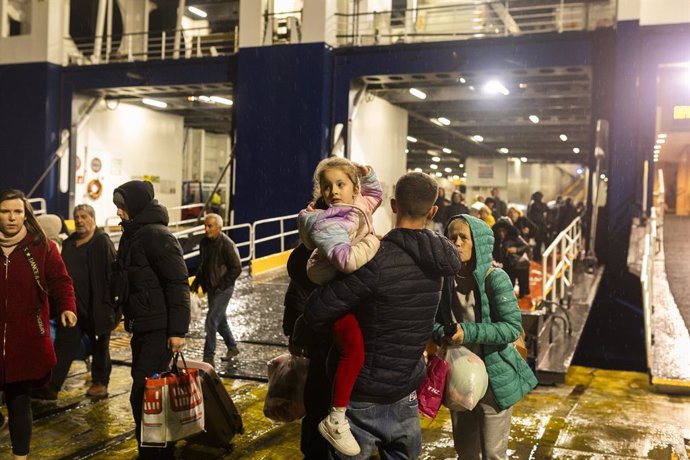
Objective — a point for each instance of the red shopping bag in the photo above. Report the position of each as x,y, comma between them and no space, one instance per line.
173,406
430,393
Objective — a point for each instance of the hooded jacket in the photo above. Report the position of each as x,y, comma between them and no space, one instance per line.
394,298
100,254
158,297
500,322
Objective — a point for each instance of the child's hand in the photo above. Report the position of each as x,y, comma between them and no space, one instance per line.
362,170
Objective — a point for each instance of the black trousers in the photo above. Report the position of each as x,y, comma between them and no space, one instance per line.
18,401
68,347
317,403
522,276
150,355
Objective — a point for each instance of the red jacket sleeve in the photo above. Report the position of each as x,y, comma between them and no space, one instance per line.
59,283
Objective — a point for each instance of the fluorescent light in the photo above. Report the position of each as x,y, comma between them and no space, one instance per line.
205,99
657,147
462,165
411,139
435,159
662,136
456,177
602,176
661,141
576,150
407,150
418,93
448,170
447,150
523,85
479,35
534,119
433,166
504,150
197,11
496,87
417,169
435,121
471,88
580,171
464,174
523,159
154,103
444,121
439,174
221,100
462,80
477,138
563,137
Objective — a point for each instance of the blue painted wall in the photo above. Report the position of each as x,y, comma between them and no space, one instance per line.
29,125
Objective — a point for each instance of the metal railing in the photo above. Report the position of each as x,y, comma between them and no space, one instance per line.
39,205
652,245
488,18
280,235
149,46
558,259
282,28
240,243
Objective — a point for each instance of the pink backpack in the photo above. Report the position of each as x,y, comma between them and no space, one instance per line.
430,393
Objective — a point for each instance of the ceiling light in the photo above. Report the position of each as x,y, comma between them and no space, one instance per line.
417,169
479,35
154,103
435,159
462,80
448,170
197,11
435,121
433,166
580,171
503,150
464,174
477,138
657,147
444,121
439,174
661,141
407,150
563,137
456,177
523,85
221,100
446,150
471,88
411,139
656,160
662,136
496,87
534,119
462,165
418,93
205,99
576,150
523,159
602,176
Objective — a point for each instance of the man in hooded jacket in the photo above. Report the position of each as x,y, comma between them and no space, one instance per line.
155,296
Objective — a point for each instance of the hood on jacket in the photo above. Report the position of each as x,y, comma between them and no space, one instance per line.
136,194
507,224
433,253
482,243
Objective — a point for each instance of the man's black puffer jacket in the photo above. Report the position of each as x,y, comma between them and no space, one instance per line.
395,297
158,281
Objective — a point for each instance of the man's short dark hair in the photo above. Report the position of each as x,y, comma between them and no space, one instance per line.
415,194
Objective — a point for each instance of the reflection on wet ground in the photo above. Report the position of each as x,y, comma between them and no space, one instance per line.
595,414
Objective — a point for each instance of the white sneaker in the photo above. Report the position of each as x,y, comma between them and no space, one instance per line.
339,435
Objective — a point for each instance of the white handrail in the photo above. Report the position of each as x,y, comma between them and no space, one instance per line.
200,229
282,234
558,259
42,207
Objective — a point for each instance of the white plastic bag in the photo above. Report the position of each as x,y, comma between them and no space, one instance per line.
467,380
194,305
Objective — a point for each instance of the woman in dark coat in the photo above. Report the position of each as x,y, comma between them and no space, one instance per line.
34,272
513,252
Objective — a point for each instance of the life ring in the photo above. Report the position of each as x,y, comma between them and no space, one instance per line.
94,189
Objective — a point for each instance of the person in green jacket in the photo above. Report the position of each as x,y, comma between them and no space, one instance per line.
478,309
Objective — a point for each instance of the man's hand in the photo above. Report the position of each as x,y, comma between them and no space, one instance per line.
68,319
175,344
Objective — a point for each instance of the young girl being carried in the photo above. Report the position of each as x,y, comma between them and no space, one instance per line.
343,240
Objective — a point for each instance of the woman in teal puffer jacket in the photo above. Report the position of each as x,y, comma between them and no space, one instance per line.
479,310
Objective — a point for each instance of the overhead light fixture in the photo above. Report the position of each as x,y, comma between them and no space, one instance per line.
221,100
523,159
661,141
418,93
462,165
523,85
462,80
439,174
417,169
411,139
576,150
464,174
602,176
563,137
471,88
662,136
444,121
447,150
496,87
433,166
197,11
436,121
479,35
435,159
478,138
657,147
580,171
534,119
154,103
407,150
448,170
504,150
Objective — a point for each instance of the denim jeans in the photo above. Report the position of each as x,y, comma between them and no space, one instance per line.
392,428
216,321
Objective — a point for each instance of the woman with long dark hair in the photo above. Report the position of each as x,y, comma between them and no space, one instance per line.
34,272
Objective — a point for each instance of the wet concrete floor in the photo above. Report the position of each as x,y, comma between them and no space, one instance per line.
594,414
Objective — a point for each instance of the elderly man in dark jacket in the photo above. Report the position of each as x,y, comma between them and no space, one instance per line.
394,297
220,267
88,254
154,292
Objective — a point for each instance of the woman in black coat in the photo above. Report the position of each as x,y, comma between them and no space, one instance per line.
511,250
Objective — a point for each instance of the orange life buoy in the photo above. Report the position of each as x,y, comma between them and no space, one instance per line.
94,189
